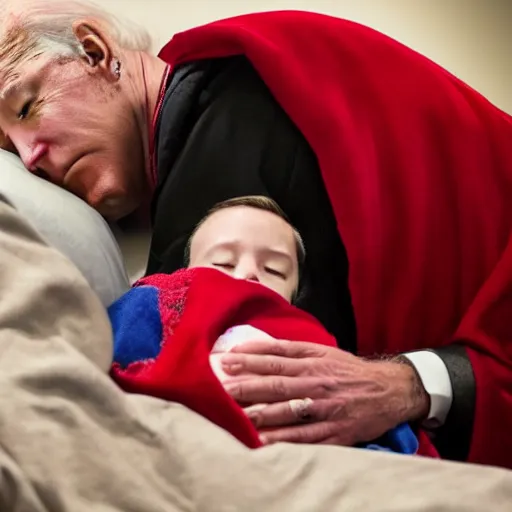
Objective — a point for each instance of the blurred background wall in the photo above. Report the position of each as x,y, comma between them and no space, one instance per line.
471,38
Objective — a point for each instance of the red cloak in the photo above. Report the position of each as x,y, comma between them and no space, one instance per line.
418,168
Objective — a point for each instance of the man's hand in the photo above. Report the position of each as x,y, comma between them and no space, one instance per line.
353,400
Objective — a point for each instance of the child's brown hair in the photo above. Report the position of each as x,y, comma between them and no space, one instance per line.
261,203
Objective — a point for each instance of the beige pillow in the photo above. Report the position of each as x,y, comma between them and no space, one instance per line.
68,224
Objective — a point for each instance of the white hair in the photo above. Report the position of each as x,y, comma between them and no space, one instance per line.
49,24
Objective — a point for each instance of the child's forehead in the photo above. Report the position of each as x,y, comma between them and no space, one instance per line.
242,223
246,215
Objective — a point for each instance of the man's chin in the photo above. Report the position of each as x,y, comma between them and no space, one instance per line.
113,208
105,196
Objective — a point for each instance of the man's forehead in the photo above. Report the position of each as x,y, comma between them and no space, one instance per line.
13,77
8,84
16,46
16,42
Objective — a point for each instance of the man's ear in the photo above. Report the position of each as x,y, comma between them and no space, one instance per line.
96,46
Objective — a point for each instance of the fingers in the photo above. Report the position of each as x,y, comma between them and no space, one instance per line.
275,389
271,415
237,364
282,414
316,433
283,348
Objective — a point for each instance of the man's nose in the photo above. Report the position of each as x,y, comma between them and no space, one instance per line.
30,151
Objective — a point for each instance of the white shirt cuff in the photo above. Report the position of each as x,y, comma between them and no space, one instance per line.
436,381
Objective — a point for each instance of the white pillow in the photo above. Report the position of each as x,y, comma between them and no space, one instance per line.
69,225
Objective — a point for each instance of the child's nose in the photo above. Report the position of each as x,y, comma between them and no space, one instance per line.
247,272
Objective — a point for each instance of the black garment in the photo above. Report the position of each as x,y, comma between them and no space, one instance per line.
220,135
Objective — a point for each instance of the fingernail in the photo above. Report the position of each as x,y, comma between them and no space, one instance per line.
251,409
253,413
254,418
232,368
230,358
263,439
229,387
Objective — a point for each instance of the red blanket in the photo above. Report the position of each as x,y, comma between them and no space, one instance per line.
182,315
418,168
166,325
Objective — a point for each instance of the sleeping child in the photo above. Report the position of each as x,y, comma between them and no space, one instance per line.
244,264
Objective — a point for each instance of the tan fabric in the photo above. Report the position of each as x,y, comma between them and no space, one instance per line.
71,441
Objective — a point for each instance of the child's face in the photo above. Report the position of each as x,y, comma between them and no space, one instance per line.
248,243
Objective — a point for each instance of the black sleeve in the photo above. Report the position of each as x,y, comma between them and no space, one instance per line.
453,439
223,135
232,144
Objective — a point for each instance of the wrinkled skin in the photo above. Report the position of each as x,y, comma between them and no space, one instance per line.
78,123
353,400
